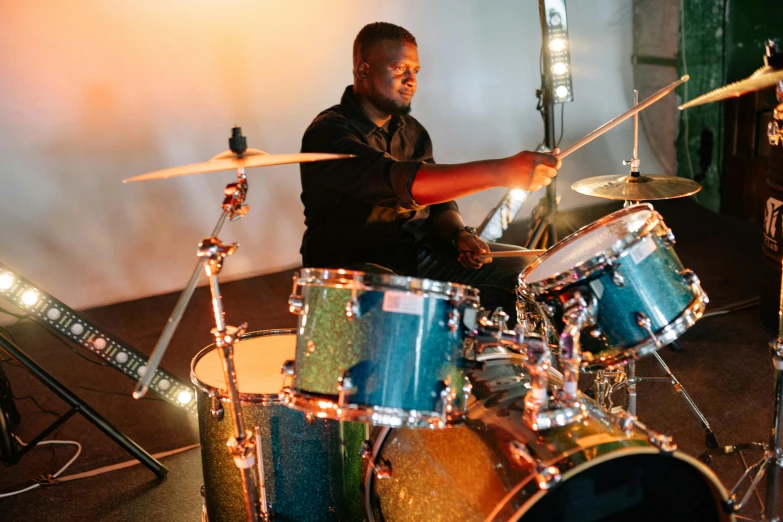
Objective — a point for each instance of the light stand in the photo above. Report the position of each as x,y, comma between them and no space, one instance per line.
555,88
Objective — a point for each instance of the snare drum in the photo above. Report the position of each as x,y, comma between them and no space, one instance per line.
626,260
302,460
379,348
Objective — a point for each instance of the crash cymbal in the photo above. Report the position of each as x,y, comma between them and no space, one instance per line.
644,187
761,79
229,161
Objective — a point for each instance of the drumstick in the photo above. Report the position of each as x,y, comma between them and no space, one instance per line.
516,253
621,118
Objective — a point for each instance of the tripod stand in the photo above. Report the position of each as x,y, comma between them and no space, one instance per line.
11,455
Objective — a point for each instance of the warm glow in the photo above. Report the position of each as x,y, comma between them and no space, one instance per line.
559,68
6,280
518,194
562,91
30,297
557,45
184,397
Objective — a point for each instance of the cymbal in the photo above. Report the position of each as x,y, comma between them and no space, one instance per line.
764,77
645,187
229,161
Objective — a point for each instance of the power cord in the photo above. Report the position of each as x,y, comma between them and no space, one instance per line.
47,479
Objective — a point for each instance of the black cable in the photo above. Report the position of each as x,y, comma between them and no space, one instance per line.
562,110
31,398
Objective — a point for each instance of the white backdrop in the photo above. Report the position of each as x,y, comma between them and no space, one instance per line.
97,91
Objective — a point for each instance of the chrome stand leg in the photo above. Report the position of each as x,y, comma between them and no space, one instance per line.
599,385
712,441
632,388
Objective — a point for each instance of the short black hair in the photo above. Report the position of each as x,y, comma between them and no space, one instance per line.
377,32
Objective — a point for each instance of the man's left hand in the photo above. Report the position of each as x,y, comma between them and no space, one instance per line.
473,251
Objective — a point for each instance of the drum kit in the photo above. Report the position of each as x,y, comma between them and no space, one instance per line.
401,399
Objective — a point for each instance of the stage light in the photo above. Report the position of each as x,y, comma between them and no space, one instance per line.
502,215
6,281
557,45
519,194
184,397
557,57
30,297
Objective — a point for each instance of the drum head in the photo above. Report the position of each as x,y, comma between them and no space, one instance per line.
258,358
589,242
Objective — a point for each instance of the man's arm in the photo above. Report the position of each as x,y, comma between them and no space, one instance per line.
526,170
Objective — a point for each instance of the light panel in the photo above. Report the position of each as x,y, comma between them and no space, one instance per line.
56,316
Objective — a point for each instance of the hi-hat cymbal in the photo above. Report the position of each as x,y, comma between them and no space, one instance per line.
228,161
761,79
645,187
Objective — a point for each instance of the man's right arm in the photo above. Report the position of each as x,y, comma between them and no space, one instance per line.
436,183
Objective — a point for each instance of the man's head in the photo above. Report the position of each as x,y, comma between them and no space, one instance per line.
385,65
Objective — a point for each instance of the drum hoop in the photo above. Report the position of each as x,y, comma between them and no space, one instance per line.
595,264
326,406
354,279
706,472
664,336
258,398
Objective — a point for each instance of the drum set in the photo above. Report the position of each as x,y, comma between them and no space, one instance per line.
401,399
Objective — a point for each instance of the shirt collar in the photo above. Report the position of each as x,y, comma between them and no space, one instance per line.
365,124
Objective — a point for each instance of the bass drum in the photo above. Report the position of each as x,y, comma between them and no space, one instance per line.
495,468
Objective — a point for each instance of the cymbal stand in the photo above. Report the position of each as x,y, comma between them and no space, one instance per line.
773,451
234,208
627,378
242,445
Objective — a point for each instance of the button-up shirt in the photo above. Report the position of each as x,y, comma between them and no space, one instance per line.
361,210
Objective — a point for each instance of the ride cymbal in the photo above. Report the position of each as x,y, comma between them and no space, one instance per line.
761,79
228,161
643,187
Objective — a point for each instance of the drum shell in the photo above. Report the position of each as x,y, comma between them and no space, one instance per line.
393,360
304,476
468,473
772,246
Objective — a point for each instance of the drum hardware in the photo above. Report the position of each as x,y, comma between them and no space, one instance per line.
242,445
772,460
545,476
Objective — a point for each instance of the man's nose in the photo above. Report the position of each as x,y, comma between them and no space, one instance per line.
410,79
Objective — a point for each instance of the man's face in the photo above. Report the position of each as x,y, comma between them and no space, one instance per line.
391,76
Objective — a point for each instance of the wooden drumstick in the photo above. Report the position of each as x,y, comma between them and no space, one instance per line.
621,118
516,253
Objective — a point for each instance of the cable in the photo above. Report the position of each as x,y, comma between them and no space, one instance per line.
31,398
122,465
49,478
685,85
562,110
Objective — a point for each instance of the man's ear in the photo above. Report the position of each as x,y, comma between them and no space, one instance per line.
362,69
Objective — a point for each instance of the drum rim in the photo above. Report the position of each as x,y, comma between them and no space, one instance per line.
590,266
704,470
367,281
326,406
211,391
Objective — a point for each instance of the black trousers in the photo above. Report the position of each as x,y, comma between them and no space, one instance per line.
496,281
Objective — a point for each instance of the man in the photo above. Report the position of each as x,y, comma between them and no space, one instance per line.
391,207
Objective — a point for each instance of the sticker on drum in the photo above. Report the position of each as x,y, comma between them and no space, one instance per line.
626,260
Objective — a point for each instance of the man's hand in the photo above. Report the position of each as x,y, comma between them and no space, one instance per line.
473,251
531,171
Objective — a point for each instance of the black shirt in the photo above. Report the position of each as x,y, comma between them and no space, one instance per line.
361,210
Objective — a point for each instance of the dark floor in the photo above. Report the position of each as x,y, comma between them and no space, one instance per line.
724,365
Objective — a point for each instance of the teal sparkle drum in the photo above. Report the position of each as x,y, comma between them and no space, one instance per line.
306,475
379,348
626,263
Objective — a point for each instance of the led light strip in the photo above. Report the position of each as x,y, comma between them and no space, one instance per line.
56,316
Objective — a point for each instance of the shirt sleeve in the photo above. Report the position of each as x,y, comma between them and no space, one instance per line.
373,176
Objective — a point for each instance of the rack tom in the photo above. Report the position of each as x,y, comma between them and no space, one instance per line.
379,348
626,261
